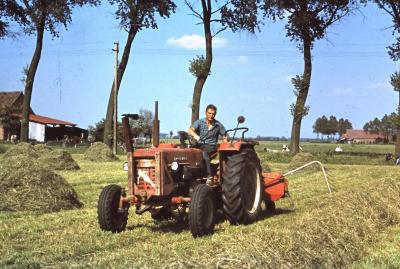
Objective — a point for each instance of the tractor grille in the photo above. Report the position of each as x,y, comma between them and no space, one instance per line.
146,174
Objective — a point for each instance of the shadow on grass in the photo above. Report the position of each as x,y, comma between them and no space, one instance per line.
173,225
279,211
182,225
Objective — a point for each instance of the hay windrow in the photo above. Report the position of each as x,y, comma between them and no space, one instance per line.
301,159
42,149
99,152
20,149
58,160
333,235
26,185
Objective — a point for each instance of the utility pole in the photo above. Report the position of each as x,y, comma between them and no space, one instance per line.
116,50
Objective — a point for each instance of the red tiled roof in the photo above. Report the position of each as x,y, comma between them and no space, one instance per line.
47,120
360,134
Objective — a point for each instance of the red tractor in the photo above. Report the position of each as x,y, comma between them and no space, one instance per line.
169,179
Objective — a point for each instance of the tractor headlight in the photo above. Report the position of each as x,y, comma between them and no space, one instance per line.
125,166
174,166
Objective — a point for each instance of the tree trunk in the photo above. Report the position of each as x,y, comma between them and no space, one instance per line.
201,80
24,135
108,124
397,147
301,98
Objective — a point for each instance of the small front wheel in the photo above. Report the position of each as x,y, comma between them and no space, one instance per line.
202,211
109,216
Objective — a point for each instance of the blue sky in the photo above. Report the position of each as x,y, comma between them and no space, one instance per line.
250,73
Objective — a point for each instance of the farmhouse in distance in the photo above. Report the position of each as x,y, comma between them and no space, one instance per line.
361,137
41,128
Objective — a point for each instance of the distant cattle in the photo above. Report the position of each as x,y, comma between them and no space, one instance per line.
14,139
338,149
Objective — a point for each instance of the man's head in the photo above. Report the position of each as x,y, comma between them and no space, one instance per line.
211,111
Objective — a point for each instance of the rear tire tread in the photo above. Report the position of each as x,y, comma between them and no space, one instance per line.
232,193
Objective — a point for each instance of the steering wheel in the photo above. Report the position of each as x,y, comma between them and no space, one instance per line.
183,136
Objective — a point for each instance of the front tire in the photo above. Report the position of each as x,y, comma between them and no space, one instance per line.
242,187
202,211
110,219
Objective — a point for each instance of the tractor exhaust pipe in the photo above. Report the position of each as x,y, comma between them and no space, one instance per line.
156,127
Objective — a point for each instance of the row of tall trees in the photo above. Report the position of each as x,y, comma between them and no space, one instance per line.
387,125
331,126
306,22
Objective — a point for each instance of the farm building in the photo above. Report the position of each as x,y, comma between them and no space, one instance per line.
41,128
361,136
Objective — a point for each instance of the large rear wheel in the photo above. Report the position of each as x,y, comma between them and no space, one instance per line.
202,211
242,187
109,216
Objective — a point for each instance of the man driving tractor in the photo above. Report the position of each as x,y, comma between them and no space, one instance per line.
206,132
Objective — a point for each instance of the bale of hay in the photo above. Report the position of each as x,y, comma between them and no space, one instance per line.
21,149
99,152
26,186
42,149
58,160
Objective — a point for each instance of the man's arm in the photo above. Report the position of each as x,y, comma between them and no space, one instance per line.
192,132
225,138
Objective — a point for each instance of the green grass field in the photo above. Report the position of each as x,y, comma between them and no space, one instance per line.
72,239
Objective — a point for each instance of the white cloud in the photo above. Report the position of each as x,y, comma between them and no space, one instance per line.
380,86
195,42
343,91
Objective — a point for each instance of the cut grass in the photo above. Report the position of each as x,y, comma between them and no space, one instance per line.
73,239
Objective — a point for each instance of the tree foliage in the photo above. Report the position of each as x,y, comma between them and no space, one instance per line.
141,14
387,125
392,7
239,15
9,121
198,67
331,126
10,11
144,125
395,81
30,13
343,125
307,20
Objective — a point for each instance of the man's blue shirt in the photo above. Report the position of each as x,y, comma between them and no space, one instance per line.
208,137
